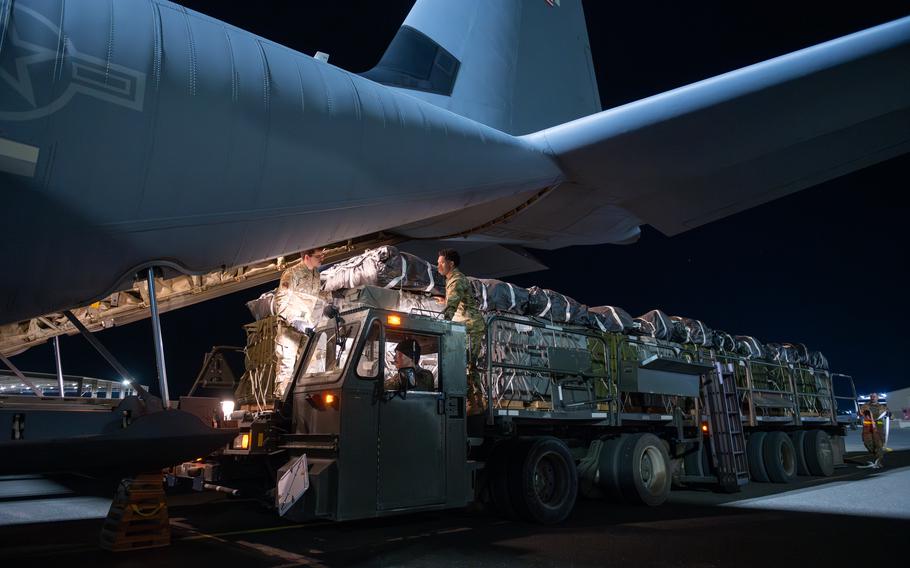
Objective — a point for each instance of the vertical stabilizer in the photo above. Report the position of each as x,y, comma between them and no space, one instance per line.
516,65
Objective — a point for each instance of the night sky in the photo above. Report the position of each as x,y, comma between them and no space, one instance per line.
826,266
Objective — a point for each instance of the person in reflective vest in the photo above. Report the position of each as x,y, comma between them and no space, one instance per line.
875,417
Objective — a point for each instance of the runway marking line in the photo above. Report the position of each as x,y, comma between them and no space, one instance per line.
201,535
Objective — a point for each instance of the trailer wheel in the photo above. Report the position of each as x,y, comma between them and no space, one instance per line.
779,457
608,468
799,444
544,480
644,470
498,479
754,449
819,453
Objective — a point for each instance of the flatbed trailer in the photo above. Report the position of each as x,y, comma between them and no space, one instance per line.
567,410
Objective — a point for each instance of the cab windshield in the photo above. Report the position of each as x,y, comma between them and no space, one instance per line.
329,354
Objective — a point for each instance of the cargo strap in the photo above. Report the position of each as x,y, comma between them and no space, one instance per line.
599,323
432,284
404,270
568,309
549,305
511,297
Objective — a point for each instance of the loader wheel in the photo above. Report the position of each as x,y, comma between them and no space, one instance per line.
644,470
544,480
819,453
754,449
799,444
779,457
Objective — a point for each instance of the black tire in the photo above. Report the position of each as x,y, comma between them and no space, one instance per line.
644,470
779,457
498,479
799,444
819,453
754,449
608,467
544,480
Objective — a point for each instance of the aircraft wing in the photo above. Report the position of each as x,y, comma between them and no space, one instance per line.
701,152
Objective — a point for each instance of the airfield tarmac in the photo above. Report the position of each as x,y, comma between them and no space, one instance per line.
810,522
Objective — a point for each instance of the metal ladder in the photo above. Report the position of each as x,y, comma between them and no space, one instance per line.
728,442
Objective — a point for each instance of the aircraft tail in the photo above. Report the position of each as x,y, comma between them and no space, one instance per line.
516,65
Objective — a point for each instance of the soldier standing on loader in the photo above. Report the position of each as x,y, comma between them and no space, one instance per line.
298,291
460,306
875,421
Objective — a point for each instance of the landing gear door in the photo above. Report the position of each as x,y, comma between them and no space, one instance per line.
412,429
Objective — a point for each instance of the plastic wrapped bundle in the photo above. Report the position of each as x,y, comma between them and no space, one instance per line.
658,325
749,347
386,267
610,318
499,296
724,341
817,360
777,352
263,306
556,307
799,352
697,332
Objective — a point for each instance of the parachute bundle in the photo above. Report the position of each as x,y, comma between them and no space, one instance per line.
556,307
418,280
697,333
610,318
749,347
498,296
386,267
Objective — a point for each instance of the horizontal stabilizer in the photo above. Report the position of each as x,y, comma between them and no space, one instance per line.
705,151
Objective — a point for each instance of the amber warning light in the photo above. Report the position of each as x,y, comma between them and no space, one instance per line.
704,427
394,320
329,399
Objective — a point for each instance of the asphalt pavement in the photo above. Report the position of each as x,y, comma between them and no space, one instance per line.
811,522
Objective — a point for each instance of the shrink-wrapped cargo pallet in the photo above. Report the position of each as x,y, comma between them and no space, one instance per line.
271,352
526,346
659,325
386,267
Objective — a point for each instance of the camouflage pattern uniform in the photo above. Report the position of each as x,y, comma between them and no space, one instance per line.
297,294
462,307
874,428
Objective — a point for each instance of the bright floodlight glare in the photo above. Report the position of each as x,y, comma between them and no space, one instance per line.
126,382
227,407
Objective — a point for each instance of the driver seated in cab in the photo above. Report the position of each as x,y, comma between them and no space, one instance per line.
407,354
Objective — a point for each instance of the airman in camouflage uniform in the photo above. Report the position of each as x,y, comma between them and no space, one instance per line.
298,291
460,306
873,414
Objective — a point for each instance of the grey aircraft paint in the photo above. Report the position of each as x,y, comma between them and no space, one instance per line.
141,133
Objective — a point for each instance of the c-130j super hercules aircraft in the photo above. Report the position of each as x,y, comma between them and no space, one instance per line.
144,134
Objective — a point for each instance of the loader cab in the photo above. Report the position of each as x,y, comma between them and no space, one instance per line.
378,441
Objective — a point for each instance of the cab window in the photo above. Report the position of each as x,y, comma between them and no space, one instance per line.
329,354
368,363
427,363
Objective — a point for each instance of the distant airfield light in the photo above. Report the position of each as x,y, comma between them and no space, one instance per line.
227,408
